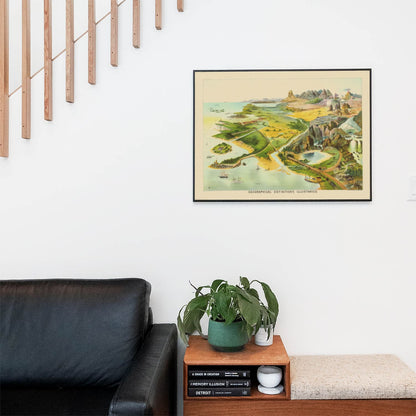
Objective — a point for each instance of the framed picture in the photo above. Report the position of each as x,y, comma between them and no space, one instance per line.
282,135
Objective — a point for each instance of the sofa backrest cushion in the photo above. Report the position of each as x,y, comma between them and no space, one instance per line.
70,332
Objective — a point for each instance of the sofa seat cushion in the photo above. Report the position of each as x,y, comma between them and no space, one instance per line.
52,401
345,377
70,332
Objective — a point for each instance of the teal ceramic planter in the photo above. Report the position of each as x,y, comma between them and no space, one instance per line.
227,338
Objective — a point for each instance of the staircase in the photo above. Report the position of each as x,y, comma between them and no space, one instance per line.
48,59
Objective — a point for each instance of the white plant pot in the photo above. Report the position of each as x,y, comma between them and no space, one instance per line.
262,339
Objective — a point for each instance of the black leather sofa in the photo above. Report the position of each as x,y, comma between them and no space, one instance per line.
84,347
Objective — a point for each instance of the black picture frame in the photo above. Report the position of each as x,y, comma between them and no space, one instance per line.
202,79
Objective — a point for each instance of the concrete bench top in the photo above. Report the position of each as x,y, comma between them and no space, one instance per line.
343,377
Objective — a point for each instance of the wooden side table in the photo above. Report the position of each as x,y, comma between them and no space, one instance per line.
201,354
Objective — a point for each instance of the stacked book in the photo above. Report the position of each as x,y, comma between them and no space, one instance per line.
218,382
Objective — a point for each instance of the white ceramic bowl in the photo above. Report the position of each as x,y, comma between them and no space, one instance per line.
269,375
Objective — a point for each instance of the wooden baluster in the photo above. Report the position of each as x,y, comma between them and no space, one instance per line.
180,5
158,14
47,55
92,37
114,33
26,80
4,78
136,23
69,51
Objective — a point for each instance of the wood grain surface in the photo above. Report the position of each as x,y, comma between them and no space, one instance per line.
4,78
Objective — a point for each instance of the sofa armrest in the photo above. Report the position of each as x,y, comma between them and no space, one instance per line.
149,386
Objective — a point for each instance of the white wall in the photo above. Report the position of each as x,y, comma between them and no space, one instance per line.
106,188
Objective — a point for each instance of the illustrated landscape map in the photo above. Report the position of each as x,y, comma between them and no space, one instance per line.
304,139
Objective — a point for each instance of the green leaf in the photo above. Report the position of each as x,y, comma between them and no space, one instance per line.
246,295
198,303
194,312
258,324
241,292
181,327
254,293
222,302
191,322
249,330
222,308
250,310
245,283
230,317
212,310
216,284
266,318
271,299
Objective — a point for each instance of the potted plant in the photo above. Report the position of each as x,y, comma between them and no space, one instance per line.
235,312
